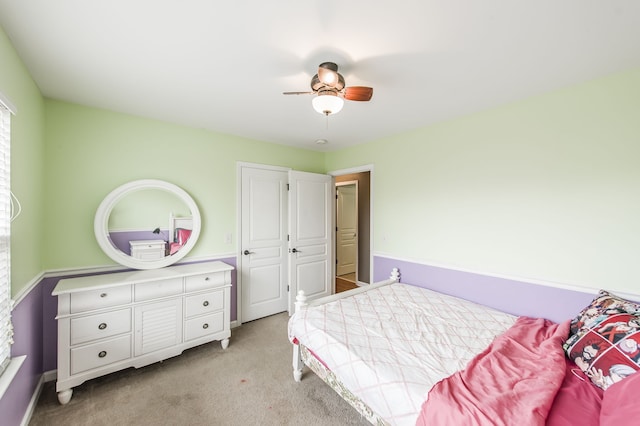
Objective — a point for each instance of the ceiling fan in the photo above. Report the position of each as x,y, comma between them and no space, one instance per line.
329,86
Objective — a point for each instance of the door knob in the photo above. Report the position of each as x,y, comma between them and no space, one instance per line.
246,252
295,250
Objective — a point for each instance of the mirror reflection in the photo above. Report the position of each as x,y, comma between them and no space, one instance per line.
150,224
147,224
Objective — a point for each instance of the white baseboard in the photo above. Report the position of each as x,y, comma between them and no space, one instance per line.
33,402
50,376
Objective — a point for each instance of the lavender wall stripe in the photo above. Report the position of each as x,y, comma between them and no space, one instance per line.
511,296
27,320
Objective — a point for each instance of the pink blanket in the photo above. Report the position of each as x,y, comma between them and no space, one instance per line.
514,381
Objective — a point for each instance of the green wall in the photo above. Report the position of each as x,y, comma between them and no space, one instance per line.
90,152
543,189
27,162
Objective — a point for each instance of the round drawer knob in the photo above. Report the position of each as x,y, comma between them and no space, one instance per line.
102,354
206,279
102,326
103,294
205,325
205,303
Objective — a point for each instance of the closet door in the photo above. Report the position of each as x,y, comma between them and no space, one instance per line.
263,248
311,207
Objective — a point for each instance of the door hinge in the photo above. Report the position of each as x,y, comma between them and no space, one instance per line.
287,237
287,289
287,187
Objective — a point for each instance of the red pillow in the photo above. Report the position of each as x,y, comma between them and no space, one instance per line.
182,235
577,400
620,403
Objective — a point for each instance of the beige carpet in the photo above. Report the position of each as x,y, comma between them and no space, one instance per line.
250,383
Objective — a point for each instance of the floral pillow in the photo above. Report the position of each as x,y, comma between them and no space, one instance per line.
604,340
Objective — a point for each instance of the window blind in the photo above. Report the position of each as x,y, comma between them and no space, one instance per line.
6,330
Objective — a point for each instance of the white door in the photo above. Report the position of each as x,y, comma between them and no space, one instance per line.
310,232
263,247
346,227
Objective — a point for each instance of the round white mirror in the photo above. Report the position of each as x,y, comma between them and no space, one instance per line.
147,224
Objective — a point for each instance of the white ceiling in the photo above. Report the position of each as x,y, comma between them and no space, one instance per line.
224,65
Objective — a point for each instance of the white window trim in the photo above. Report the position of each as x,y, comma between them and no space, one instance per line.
5,102
10,372
8,366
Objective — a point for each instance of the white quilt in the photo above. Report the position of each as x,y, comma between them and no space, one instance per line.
391,344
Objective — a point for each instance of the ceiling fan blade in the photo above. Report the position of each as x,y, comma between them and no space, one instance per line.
298,93
358,93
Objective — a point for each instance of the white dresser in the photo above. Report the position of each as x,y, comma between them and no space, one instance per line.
148,249
131,319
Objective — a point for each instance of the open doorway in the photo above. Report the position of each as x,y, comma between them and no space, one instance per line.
353,230
346,235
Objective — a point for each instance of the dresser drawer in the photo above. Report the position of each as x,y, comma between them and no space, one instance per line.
100,353
99,326
158,289
204,325
205,281
144,254
96,299
148,249
204,303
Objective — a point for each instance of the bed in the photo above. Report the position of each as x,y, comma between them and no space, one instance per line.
405,355
180,228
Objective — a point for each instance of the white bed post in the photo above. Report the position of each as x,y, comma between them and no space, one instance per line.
301,303
395,275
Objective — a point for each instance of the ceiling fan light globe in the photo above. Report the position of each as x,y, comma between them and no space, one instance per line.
327,104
